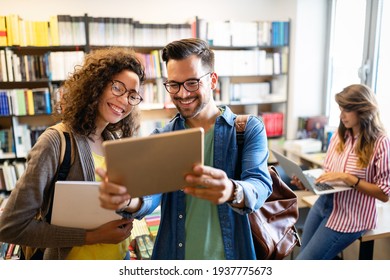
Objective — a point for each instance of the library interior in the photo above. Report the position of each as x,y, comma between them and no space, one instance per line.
280,60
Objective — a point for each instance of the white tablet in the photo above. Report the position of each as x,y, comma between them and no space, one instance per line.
76,204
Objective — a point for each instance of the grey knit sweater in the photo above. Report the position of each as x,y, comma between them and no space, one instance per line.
18,224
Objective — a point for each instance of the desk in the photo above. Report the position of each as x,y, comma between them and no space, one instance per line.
313,160
382,231
366,249
302,196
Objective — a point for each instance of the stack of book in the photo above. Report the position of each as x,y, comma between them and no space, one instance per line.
139,228
144,233
144,247
153,222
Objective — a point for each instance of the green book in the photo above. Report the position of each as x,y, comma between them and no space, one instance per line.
20,97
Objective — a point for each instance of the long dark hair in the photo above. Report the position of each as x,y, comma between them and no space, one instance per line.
361,99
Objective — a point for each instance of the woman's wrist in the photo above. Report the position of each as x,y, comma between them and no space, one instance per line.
356,184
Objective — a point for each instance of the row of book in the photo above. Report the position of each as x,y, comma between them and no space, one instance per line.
244,33
54,66
7,146
155,96
104,31
67,30
57,66
10,172
154,66
273,91
22,102
274,123
7,251
250,62
17,142
16,31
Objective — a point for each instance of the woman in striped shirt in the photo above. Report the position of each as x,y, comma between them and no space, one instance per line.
358,154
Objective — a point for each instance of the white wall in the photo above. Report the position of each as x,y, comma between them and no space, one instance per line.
306,84
307,68
155,11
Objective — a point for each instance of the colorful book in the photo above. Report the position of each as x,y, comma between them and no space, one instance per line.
3,32
29,101
21,102
54,33
41,101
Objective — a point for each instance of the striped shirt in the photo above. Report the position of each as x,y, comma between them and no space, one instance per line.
353,210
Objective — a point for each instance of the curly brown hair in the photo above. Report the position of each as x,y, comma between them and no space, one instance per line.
82,91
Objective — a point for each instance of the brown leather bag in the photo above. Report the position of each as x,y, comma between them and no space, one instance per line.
273,225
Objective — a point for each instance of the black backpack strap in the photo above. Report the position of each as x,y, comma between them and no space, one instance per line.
65,164
240,124
62,171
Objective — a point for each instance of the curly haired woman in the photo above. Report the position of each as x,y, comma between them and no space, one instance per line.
99,102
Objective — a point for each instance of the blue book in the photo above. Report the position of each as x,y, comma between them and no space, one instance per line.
48,102
3,250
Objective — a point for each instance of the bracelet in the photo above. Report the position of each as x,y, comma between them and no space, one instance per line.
128,204
357,183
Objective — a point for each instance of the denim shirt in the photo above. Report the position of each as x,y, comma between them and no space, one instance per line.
255,180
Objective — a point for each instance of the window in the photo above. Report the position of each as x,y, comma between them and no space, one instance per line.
382,84
359,40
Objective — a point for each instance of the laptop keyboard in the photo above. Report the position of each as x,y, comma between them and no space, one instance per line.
319,186
323,187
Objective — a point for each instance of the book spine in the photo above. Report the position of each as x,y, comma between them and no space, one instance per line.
3,32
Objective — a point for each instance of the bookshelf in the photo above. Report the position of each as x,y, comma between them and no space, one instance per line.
28,89
252,61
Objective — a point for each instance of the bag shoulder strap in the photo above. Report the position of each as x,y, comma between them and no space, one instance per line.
240,125
30,253
65,162
65,157
66,152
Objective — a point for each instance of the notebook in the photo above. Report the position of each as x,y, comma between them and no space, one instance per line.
308,177
76,204
154,164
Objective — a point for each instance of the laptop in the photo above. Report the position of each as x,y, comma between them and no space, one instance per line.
308,177
76,204
154,164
